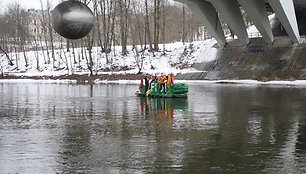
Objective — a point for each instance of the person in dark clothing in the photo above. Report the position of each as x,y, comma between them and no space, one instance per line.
153,79
146,80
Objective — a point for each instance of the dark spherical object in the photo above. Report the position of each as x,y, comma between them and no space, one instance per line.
72,19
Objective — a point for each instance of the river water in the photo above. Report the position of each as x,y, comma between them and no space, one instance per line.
105,128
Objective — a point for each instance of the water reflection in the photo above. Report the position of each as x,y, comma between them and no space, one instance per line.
60,128
162,109
260,124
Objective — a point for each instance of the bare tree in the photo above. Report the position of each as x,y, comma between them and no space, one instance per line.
36,53
44,25
147,26
136,24
124,15
106,31
138,59
21,22
14,32
163,30
184,26
156,23
7,56
50,31
5,32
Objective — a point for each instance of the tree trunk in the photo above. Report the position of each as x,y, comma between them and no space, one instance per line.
184,23
45,33
73,52
7,56
122,27
147,26
36,54
89,45
164,29
156,23
50,31
42,49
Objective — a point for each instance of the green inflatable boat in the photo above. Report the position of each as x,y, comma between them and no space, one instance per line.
176,90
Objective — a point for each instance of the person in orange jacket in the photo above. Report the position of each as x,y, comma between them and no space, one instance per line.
161,80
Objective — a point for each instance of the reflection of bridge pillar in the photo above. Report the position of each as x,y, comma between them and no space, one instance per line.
256,9
230,11
208,15
284,10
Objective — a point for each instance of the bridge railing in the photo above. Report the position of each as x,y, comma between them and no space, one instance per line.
254,35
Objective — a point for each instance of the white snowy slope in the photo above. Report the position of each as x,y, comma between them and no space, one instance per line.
176,56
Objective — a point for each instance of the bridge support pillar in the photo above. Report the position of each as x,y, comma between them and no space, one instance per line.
285,12
209,17
256,9
230,11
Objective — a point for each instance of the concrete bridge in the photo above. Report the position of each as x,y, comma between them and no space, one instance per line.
285,10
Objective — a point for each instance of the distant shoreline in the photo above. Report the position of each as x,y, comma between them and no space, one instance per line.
133,79
80,79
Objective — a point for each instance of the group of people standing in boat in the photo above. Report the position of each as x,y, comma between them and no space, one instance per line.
164,81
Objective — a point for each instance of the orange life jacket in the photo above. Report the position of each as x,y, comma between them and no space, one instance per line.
161,79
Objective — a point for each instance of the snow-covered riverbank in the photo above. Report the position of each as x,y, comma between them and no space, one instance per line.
172,58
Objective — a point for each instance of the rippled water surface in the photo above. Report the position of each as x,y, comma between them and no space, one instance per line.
65,128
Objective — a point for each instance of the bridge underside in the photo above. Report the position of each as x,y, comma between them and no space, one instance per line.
208,12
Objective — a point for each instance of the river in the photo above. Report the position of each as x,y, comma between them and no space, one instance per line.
105,128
